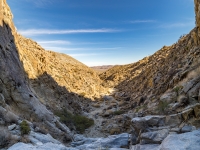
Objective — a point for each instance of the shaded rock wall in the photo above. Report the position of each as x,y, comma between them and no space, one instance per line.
14,84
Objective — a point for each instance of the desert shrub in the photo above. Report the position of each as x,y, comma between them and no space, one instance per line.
82,123
79,122
140,107
24,127
162,106
177,89
119,112
83,94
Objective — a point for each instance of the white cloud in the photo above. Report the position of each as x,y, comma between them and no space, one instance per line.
84,54
55,42
32,32
40,3
142,21
61,49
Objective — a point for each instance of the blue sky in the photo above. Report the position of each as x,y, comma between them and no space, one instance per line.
103,32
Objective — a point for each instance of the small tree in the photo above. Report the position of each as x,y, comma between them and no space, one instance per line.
24,126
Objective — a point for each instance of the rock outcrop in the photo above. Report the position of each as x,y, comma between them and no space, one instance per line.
174,142
197,17
65,70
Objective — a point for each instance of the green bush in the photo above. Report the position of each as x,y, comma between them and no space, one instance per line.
24,126
119,112
79,122
162,106
177,89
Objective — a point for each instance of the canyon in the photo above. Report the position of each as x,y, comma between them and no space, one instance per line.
151,104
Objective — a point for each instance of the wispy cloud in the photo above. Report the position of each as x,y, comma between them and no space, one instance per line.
40,3
84,54
32,32
55,42
142,21
61,49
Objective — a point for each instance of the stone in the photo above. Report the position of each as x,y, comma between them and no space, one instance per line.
175,106
186,113
46,146
108,98
177,130
81,140
114,130
155,137
197,110
143,123
169,97
187,128
78,137
35,141
145,147
11,127
182,99
189,140
117,149
119,94
173,120
189,85
2,100
43,138
113,141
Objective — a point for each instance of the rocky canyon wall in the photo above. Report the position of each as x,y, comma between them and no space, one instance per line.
18,101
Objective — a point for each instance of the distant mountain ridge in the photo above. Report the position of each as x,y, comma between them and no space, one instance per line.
103,68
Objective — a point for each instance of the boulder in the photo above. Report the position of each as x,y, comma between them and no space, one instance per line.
182,99
186,113
145,147
42,138
46,146
168,97
197,110
190,84
108,98
189,140
155,137
143,123
11,127
177,130
81,140
2,100
119,94
113,141
187,128
173,120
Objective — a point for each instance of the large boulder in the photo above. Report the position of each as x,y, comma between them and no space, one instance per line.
189,140
42,138
113,141
47,146
143,123
155,137
145,147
